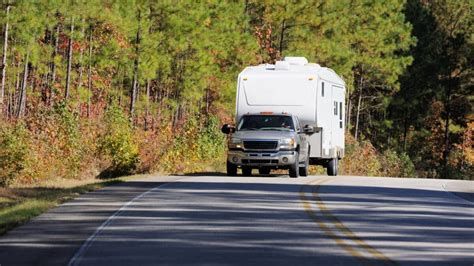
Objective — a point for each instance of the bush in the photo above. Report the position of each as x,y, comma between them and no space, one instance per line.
211,141
68,140
117,142
396,164
13,153
195,147
360,158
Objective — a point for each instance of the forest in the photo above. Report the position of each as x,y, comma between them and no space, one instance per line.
103,88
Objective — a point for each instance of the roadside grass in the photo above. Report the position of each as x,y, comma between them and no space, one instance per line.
19,205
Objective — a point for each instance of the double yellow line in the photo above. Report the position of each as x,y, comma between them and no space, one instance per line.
345,244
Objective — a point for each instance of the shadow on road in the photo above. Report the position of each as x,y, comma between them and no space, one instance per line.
259,221
197,174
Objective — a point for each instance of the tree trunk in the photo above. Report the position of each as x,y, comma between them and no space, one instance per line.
133,92
16,99
147,104
282,36
4,58
447,107
405,132
53,67
69,60
356,134
81,55
22,103
89,75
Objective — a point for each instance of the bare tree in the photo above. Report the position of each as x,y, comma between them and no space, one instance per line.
69,60
4,56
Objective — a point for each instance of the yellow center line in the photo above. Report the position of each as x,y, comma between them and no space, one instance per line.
340,226
312,214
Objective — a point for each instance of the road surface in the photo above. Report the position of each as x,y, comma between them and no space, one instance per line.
212,219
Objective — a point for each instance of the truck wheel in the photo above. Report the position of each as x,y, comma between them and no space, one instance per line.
246,171
304,169
264,171
294,168
231,169
332,167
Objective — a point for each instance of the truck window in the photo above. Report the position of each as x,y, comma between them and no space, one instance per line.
266,122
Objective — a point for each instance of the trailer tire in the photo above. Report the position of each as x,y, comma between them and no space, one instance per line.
231,169
294,168
332,167
246,171
264,171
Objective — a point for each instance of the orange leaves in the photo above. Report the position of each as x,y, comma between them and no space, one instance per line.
264,38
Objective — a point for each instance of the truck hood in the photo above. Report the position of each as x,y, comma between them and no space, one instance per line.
263,134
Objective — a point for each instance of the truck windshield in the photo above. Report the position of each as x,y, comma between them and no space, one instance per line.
266,122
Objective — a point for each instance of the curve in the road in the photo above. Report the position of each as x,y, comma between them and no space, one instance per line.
338,225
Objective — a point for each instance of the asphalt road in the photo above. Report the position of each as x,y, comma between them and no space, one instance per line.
273,220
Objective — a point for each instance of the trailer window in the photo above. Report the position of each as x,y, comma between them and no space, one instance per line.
340,112
322,89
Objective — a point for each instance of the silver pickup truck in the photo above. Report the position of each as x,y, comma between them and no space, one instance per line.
267,141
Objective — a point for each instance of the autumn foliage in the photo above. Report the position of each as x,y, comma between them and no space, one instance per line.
104,88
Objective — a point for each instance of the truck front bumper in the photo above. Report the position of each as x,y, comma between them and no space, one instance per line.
258,159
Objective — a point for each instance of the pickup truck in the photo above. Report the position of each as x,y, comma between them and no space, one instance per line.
267,141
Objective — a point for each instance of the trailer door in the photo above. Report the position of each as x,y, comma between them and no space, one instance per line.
337,118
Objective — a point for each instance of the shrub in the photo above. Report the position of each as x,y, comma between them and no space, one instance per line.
360,158
117,142
13,153
211,141
396,164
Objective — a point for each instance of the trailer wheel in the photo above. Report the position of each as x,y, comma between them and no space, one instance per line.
332,167
246,171
294,168
231,169
264,171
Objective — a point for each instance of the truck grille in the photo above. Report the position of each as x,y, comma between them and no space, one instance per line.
251,161
260,145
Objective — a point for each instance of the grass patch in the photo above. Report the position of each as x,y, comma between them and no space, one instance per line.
19,205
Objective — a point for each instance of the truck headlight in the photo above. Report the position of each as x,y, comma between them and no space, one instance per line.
235,143
289,143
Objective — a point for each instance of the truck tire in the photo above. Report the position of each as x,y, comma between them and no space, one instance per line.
294,168
332,167
304,169
246,171
231,169
264,171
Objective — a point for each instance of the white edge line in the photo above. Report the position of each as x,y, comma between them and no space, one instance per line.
453,193
85,246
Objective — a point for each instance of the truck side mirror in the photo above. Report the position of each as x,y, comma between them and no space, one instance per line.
227,129
308,129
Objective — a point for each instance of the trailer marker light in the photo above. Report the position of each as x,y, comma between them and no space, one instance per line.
245,78
310,78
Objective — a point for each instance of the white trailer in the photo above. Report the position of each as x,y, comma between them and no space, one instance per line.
313,93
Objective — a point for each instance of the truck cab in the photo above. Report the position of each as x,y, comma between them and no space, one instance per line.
267,141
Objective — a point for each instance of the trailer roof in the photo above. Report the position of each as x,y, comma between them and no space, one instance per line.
287,68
